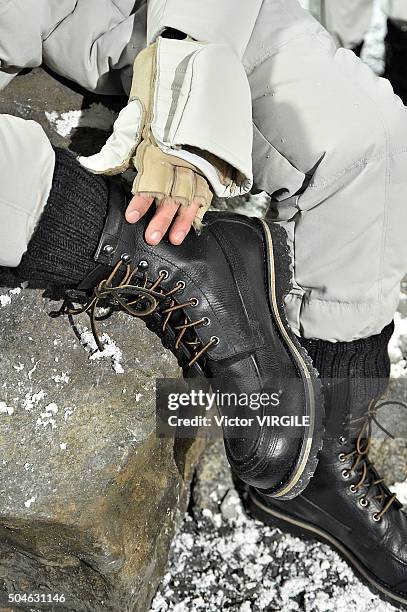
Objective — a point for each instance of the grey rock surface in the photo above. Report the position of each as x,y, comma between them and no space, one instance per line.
89,496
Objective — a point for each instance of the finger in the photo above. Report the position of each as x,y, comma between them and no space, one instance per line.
159,224
183,223
138,207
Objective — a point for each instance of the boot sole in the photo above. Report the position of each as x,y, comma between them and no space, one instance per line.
307,531
307,460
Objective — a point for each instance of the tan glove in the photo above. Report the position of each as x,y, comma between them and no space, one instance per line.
160,175
187,128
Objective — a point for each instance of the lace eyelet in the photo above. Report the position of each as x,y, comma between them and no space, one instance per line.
206,321
376,517
108,249
353,489
164,273
215,340
363,502
342,457
342,440
194,302
345,474
143,264
181,285
125,257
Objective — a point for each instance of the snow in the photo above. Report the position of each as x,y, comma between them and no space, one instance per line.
400,489
373,50
398,347
68,413
32,400
33,369
96,116
110,351
219,563
4,409
29,502
254,206
47,417
6,298
61,378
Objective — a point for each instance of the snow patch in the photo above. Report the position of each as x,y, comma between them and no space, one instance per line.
400,489
30,401
110,350
47,417
219,563
61,378
397,346
68,413
96,116
29,502
4,409
5,299
31,372
255,206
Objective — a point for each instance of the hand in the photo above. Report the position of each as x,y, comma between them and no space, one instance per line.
168,212
179,188
187,130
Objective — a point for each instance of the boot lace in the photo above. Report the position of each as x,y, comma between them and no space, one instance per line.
122,291
363,467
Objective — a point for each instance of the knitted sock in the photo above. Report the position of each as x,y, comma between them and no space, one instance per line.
60,252
353,374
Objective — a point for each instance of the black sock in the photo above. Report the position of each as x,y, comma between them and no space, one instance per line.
353,374
61,250
365,358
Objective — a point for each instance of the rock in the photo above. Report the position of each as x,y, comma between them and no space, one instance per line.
60,107
230,505
89,496
212,480
390,455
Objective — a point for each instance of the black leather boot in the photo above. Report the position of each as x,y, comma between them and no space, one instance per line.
216,302
346,504
396,58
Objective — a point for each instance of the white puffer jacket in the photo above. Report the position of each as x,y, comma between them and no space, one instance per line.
88,41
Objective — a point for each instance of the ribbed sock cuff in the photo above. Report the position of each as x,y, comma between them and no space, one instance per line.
364,358
63,245
353,374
